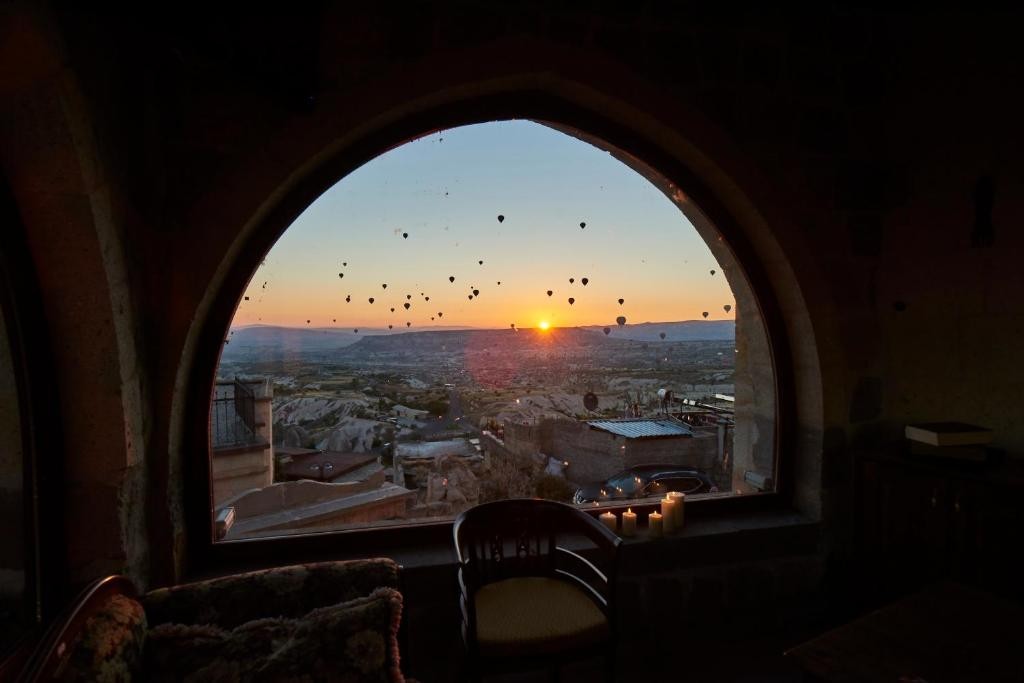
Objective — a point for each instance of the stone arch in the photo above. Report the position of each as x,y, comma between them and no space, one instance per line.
56,173
548,83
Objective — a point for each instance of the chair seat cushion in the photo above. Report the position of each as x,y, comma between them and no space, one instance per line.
536,615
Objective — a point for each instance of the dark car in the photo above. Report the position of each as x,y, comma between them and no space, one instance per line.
646,481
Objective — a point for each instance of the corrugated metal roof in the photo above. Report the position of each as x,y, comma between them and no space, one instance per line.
642,428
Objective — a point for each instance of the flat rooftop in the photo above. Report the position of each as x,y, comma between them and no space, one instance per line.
642,428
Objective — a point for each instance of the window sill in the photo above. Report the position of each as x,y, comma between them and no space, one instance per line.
706,540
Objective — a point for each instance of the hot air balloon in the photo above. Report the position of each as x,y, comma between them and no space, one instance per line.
727,307
371,299
550,292
712,271
407,305
426,298
572,280
341,275
571,301
408,324
705,314
582,225
621,320
470,297
499,283
440,314
384,286
390,326
408,296
480,262
348,298
500,218
344,263
451,278
662,335
356,331
622,301
476,292
584,281
513,326
405,235
392,309
607,330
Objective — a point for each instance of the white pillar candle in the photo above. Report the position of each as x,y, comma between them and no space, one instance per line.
668,513
629,522
654,528
608,519
680,511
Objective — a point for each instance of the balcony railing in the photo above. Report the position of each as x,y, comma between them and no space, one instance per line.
233,415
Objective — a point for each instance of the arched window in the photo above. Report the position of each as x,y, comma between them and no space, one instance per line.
491,311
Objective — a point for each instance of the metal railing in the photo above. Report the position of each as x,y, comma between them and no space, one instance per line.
233,415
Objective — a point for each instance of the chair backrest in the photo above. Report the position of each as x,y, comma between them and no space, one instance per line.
519,537
62,645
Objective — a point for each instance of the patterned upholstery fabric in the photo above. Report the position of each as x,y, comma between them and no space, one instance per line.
280,592
109,648
535,615
328,621
353,641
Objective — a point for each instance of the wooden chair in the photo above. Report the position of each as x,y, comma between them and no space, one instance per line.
527,600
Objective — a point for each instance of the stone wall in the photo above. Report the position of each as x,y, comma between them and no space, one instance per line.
594,454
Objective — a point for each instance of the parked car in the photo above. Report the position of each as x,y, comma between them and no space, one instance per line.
646,481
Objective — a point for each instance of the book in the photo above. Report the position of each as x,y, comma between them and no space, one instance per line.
973,453
949,434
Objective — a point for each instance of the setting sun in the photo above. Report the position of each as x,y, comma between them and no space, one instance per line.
544,324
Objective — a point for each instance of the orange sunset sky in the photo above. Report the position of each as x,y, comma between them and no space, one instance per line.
429,210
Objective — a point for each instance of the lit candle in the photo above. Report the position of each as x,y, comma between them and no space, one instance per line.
668,513
654,527
608,519
680,500
629,522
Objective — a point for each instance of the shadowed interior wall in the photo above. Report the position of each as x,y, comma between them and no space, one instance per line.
871,167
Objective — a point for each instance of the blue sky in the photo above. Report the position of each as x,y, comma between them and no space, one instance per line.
446,191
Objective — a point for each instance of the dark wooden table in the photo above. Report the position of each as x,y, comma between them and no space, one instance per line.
946,633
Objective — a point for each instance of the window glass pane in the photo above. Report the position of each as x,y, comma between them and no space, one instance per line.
493,311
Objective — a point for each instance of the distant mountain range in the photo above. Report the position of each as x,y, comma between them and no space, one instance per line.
275,340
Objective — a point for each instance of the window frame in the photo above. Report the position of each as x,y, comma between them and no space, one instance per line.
533,104
36,386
